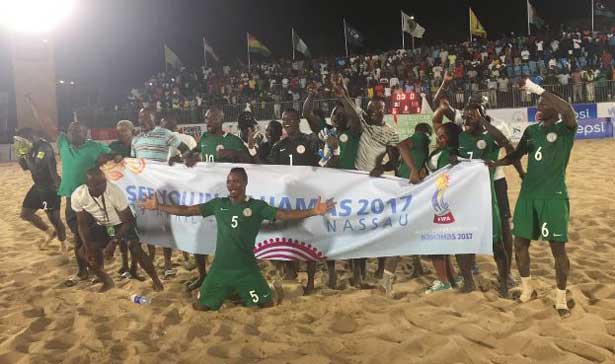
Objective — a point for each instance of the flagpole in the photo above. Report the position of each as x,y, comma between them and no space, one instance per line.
345,37
204,54
292,40
403,38
592,1
529,30
164,56
470,21
248,48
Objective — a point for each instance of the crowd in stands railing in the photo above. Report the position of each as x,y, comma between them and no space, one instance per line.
574,64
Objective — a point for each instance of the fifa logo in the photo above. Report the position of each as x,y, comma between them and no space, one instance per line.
443,215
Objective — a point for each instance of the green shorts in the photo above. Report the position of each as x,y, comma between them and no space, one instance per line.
249,285
546,219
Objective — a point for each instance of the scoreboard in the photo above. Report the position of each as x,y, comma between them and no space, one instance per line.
405,102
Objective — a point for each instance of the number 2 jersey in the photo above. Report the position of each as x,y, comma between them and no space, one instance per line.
548,149
237,226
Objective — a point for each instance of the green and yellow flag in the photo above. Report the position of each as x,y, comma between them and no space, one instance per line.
171,58
476,27
255,46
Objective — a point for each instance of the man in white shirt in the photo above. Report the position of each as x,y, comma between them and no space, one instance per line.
492,86
437,72
539,49
174,153
394,82
525,55
563,79
103,219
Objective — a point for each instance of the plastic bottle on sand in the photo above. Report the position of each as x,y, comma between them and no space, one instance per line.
140,300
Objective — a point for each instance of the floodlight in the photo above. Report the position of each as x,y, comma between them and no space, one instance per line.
34,16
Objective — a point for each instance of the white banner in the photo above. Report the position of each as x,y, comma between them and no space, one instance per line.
606,109
516,115
448,213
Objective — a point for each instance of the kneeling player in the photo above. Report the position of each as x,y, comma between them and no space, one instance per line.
238,218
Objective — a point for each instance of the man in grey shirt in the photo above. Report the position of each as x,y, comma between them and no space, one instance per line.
376,139
377,136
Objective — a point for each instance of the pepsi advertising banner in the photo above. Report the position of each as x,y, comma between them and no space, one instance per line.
595,128
590,125
583,111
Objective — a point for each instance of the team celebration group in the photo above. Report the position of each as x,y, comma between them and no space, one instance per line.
98,214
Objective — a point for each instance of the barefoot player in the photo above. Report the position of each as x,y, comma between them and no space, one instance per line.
41,162
543,208
238,218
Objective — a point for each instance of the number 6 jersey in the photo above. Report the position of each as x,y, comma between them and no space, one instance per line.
548,149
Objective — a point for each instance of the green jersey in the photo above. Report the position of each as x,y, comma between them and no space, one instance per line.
237,225
481,146
76,161
120,148
209,145
439,159
548,149
418,153
349,144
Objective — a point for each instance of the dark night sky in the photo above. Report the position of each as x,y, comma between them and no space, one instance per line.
113,45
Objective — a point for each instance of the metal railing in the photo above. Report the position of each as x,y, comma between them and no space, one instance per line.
599,91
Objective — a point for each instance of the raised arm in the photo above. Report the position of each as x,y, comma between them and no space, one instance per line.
564,108
151,203
496,134
551,100
437,119
321,208
356,121
442,89
308,108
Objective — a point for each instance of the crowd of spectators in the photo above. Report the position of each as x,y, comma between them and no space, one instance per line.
576,63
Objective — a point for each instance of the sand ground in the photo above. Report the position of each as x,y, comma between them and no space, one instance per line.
41,321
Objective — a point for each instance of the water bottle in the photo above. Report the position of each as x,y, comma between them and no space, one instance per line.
140,300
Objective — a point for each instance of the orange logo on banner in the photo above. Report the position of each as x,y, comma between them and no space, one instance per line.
114,171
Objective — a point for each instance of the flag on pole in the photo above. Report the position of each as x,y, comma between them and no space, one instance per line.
171,58
299,45
255,46
410,26
476,28
532,16
602,10
353,36
208,49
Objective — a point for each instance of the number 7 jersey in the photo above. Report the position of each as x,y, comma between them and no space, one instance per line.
548,149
